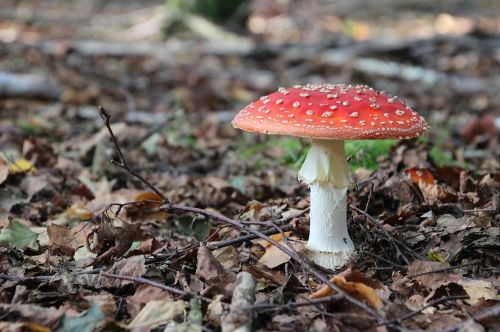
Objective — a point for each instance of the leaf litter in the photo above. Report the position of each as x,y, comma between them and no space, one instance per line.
424,216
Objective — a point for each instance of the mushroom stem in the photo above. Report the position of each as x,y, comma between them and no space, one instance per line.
325,170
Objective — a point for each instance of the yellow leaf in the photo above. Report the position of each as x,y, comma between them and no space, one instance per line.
22,165
78,210
435,256
276,237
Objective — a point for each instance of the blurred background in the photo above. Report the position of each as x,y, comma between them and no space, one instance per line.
175,72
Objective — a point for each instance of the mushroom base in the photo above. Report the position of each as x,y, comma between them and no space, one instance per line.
328,259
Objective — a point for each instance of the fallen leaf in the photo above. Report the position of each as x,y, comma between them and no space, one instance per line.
84,323
274,257
33,313
67,239
215,310
21,166
19,236
125,237
133,267
143,295
227,256
261,271
156,313
478,289
358,290
433,279
213,274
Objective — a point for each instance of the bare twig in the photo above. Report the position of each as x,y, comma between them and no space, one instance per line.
388,235
155,284
293,305
122,162
302,261
169,206
490,312
430,304
451,268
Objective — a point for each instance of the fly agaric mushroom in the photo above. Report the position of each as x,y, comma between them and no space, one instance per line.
330,114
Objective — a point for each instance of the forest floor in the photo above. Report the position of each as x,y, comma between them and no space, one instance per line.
86,245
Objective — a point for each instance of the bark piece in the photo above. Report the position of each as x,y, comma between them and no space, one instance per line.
239,319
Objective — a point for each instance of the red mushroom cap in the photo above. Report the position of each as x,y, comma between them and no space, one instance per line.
331,111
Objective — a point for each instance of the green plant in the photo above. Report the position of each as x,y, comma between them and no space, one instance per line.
364,153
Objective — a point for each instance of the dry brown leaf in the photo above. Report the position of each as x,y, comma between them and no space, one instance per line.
274,257
33,313
358,290
261,271
67,239
478,289
133,267
213,274
144,294
126,235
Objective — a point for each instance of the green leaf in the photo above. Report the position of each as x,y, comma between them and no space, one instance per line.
84,323
364,153
19,236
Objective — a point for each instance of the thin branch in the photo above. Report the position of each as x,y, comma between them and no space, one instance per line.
293,305
430,304
155,284
169,206
386,233
122,162
451,268
303,262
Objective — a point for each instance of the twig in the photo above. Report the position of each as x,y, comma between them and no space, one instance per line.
386,233
490,312
303,262
244,238
122,162
430,304
442,270
293,305
169,206
156,285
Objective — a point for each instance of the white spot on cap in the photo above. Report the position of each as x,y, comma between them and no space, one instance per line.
354,115
400,112
279,101
310,112
327,114
296,104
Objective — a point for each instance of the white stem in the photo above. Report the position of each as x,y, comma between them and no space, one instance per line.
325,170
